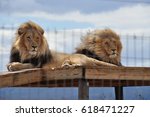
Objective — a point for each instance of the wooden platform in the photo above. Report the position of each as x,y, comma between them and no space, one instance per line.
83,78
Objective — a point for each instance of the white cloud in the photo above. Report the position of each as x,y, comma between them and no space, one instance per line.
57,6
134,18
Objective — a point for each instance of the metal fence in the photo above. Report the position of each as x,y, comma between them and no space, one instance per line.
136,52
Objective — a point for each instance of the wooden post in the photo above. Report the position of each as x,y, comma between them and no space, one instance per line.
119,92
83,88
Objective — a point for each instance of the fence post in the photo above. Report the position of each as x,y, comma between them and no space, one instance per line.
83,88
119,92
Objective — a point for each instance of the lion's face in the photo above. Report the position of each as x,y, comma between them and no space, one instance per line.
112,47
107,46
32,41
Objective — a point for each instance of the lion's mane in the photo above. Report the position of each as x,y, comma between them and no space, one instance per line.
103,45
30,45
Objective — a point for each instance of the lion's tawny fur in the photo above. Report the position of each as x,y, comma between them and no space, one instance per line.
29,47
99,44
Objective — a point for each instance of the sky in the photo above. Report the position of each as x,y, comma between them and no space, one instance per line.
128,16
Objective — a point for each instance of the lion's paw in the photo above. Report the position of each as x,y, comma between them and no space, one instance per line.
67,64
14,66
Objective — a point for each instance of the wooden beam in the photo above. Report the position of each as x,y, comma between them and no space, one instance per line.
20,77
97,77
92,83
119,92
26,77
118,73
83,88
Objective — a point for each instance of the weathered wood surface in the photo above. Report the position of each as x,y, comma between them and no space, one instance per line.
26,77
119,73
97,77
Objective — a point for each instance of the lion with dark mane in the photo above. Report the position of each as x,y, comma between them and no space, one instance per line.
103,45
30,50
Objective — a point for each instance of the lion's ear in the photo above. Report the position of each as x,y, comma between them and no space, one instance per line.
41,31
20,31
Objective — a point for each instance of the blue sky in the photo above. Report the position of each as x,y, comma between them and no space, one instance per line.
121,15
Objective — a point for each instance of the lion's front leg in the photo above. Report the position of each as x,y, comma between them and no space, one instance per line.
94,62
76,60
15,66
70,64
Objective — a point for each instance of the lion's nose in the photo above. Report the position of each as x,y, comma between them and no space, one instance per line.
113,50
34,46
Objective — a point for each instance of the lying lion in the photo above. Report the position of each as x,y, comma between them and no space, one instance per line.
103,45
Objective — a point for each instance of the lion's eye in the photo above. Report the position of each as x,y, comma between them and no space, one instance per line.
28,37
37,39
114,42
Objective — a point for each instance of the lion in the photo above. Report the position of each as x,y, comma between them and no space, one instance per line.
103,45
31,50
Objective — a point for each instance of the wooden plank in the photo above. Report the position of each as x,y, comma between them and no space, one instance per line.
26,77
113,83
92,83
118,73
97,77
20,77
60,83
63,74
